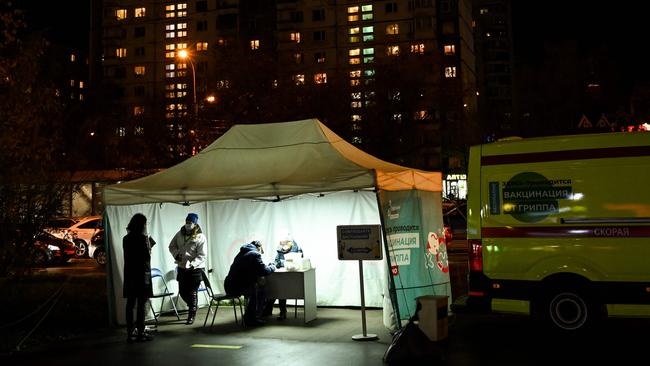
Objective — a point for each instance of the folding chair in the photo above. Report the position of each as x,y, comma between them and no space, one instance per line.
216,299
156,273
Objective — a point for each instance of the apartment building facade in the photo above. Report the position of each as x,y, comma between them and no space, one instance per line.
404,68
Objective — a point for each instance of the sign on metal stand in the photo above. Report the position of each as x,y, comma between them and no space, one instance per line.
360,242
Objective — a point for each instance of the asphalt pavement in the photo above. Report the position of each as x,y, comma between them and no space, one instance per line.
473,339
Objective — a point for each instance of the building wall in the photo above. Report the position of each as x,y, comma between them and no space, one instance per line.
331,33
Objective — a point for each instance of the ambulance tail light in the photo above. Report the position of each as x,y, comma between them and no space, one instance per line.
475,255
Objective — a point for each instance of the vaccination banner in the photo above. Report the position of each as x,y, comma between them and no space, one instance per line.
416,247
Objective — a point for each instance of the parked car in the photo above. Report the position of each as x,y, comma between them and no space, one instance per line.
51,250
97,249
77,230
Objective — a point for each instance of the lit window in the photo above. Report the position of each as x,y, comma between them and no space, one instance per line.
139,70
353,17
170,34
120,52
396,117
121,131
366,8
181,66
421,115
368,29
171,54
353,9
417,48
298,57
354,39
368,60
369,51
354,52
202,46
221,42
181,94
71,82
355,82
140,12
170,47
483,11
170,27
354,61
181,14
369,72
170,74
255,44
181,6
181,34
81,85
181,86
392,50
170,7
223,84
138,110
355,73
121,14
366,16
368,37
181,46
295,37
319,57
170,86
392,29
181,26
355,117
72,57
450,71
355,95
81,97
355,104
450,49
170,95
320,78
356,140
139,130
354,30
299,79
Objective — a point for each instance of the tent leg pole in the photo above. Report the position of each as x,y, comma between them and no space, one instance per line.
391,281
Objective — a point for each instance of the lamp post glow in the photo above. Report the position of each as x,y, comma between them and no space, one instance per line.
184,55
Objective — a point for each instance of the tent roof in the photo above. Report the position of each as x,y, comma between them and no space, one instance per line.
270,160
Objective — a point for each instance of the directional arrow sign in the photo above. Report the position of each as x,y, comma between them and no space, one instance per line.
359,242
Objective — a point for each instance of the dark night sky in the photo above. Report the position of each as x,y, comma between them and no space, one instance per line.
66,21
619,27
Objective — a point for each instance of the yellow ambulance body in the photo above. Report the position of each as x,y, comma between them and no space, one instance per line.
559,227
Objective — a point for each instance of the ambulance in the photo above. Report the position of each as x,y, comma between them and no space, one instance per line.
559,228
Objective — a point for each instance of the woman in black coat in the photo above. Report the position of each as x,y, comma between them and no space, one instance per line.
137,275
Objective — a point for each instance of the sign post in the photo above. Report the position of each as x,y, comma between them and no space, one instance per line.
360,242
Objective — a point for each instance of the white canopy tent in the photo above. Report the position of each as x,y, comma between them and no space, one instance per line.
265,182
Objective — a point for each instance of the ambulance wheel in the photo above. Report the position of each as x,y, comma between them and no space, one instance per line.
569,310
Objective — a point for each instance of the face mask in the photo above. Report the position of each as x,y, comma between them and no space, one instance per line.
189,227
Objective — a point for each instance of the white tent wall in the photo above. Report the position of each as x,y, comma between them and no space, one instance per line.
310,219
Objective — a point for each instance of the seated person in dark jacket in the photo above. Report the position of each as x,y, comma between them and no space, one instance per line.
285,247
243,277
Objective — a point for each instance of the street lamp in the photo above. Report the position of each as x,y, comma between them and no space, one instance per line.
184,55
